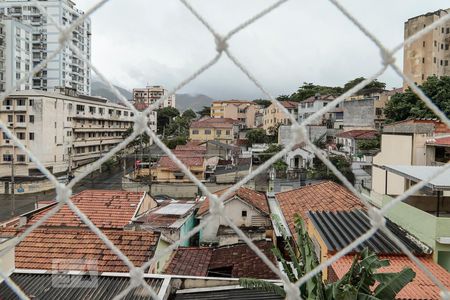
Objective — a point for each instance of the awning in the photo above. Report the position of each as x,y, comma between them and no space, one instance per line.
420,173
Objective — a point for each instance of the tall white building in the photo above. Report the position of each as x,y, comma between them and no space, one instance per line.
151,94
16,53
66,69
63,130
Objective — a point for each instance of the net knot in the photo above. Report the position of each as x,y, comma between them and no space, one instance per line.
387,58
64,36
377,220
445,295
63,193
292,292
136,277
298,133
216,206
221,44
140,123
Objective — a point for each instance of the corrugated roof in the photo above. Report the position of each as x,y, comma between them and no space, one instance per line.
226,293
340,228
439,141
421,173
251,197
421,288
42,246
42,286
106,209
326,195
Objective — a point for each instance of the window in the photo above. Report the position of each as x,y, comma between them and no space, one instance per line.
31,102
228,132
446,46
244,213
219,132
5,137
20,102
80,107
101,110
435,43
379,111
10,118
7,102
423,60
92,109
21,135
434,59
195,131
7,157
423,44
20,158
207,131
31,136
20,118
125,113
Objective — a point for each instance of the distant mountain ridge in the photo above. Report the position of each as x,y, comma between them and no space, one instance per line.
183,101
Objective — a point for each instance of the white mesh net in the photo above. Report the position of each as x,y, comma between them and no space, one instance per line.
216,209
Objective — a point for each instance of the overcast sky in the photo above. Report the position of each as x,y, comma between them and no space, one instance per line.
159,42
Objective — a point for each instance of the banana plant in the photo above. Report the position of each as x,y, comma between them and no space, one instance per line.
363,281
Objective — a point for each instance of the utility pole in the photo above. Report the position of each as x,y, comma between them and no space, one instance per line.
13,187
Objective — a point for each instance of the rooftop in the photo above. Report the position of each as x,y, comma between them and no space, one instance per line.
319,97
166,162
420,173
249,196
169,214
106,209
327,195
214,123
43,245
340,228
424,125
289,104
421,288
439,141
359,134
236,260
229,293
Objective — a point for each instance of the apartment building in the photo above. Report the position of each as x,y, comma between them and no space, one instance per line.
66,69
312,105
15,53
213,129
243,111
365,109
151,94
63,130
273,115
430,54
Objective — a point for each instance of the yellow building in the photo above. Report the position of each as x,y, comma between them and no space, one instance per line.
243,111
213,129
167,171
430,54
273,115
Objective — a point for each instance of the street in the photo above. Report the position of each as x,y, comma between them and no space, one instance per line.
24,203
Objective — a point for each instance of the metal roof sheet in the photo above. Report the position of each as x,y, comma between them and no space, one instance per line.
229,293
340,228
420,173
42,286
178,209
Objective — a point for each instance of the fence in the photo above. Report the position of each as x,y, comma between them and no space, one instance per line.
216,206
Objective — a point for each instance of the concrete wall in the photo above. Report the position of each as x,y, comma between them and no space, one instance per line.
7,261
182,190
359,114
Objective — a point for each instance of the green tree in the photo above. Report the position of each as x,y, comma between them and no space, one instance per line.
407,105
309,89
141,140
321,171
165,117
205,111
374,84
283,98
178,127
264,103
172,143
257,136
362,281
271,151
189,114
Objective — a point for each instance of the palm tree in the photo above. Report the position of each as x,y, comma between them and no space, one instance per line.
361,282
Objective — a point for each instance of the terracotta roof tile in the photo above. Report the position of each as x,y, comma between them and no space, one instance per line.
421,288
249,196
189,161
358,134
106,209
289,104
444,141
39,249
239,257
214,123
324,196
321,97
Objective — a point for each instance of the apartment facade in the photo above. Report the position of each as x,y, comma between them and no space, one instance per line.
312,105
244,111
63,131
213,129
15,53
151,94
66,69
430,54
274,116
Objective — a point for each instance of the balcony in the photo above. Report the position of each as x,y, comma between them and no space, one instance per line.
20,125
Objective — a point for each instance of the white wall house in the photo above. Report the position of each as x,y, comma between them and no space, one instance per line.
63,131
299,158
247,208
312,105
66,69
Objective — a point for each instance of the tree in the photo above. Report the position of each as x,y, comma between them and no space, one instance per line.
165,116
189,114
362,281
257,136
141,140
407,105
271,151
205,112
283,98
263,103
174,142
374,84
309,89
321,171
